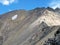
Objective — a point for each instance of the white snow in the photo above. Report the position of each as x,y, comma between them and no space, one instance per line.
14,17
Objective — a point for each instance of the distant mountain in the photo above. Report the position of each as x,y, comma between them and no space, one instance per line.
21,27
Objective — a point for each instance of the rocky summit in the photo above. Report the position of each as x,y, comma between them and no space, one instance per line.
39,26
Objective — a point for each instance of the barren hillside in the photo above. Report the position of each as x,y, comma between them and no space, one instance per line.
21,27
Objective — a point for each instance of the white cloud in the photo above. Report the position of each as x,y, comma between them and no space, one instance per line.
7,2
54,4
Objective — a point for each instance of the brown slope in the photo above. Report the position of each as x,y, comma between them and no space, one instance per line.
26,23
11,27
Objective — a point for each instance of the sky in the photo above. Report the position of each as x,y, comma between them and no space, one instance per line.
10,5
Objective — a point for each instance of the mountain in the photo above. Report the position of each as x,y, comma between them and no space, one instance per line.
33,27
57,10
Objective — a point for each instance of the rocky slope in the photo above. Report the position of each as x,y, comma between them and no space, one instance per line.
22,27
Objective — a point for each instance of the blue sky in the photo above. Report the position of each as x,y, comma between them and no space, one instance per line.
9,5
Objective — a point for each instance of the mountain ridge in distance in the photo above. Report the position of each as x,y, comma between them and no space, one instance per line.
21,27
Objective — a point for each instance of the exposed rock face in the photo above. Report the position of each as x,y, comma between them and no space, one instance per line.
55,40
22,27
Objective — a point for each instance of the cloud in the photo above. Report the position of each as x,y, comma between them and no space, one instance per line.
7,2
54,4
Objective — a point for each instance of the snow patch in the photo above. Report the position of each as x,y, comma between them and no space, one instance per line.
14,17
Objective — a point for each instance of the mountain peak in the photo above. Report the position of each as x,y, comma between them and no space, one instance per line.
50,9
19,26
51,18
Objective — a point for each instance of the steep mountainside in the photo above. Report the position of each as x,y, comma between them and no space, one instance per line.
22,27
